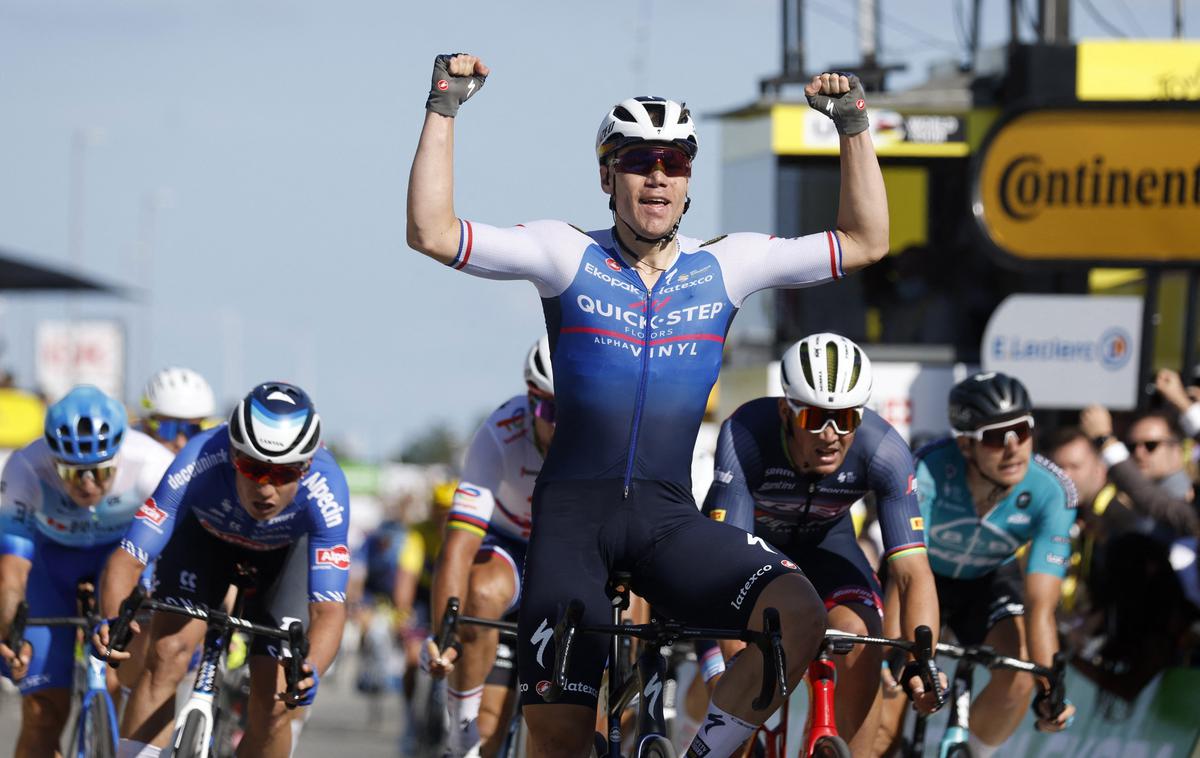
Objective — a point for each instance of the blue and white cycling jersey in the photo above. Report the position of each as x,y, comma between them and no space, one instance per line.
633,366
35,506
201,482
757,487
964,545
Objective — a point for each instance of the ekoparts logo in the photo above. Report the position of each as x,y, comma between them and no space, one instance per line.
1114,348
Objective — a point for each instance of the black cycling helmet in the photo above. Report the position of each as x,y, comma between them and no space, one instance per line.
985,399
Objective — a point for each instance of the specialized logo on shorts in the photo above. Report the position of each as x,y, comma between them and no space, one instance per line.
541,637
152,513
752,540
717,514
337,556
917,523
788,564
741,596
319,491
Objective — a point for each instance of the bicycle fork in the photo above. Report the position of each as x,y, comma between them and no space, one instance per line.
822,676
204,691
958,728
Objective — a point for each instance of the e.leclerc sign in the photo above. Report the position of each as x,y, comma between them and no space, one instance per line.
1069,350
1094,185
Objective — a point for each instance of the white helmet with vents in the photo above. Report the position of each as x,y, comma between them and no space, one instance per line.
646,119
826,370
178,393
539,372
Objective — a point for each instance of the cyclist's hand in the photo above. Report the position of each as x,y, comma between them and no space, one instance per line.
1050,722
306,689
923,701
437,664
18,665
100,641
456,77
841,98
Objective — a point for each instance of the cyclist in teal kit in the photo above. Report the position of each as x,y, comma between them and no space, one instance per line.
983,494
636,316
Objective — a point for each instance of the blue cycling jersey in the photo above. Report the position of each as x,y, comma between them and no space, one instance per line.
760,489
201,482
633,366
964,544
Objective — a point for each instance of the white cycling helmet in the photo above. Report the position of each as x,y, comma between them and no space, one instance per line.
826,370
178,393
646,119
539,373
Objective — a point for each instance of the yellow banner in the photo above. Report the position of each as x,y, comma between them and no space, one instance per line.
797,129
1137,70
1094,185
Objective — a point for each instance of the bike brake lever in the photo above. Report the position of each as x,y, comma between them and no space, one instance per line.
564,639
449,625
923,636
119,631
770,645
16,630
293,671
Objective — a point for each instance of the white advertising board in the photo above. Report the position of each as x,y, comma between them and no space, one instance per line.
1069,350
79,352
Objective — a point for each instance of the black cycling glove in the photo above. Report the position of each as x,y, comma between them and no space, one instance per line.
848,111
447,91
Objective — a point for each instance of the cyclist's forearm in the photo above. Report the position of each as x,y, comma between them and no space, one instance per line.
862,203
918,595
432,224
120,577
326,622
1041,633
14,573
451,573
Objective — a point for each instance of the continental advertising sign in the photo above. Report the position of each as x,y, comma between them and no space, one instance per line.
1094,185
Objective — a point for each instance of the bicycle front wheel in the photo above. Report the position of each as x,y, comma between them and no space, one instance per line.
959,750
655,747
97,735
189,741
831,747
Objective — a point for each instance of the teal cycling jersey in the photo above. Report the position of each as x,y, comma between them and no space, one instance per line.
964,544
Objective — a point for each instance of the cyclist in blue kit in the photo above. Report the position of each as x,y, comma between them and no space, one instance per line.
65,501
636,317
788,469
258,492
984,494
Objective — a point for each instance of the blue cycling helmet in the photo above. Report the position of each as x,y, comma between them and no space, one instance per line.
276,423
85,427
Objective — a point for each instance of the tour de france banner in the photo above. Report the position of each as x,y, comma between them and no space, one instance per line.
1069,350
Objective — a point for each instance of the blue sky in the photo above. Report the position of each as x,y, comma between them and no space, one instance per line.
267,144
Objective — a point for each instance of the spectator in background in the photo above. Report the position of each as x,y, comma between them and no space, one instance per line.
1154,441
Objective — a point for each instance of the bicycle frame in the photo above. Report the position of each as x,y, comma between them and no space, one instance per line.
204,691
97,687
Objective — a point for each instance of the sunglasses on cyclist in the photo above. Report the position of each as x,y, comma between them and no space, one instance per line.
543,408
1150,445
275,474
997,435
644,160
168,429
101,473
808,418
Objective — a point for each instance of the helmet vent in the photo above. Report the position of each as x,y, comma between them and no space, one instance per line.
657,113
806,367
313,441
855,371
621,114
831,366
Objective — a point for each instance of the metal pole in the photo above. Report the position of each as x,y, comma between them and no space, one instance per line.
975,8
1178,18
1149,330
1189,324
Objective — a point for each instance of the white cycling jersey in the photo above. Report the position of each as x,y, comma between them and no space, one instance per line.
35,505
499,472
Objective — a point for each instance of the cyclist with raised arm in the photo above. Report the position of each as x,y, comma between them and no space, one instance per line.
177,405
483,556
788,469
984,494
636,316
65,502
260,492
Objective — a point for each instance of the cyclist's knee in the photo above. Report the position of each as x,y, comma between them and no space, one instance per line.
1015,687
802,615
559,730
46,711
169,656
489,595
